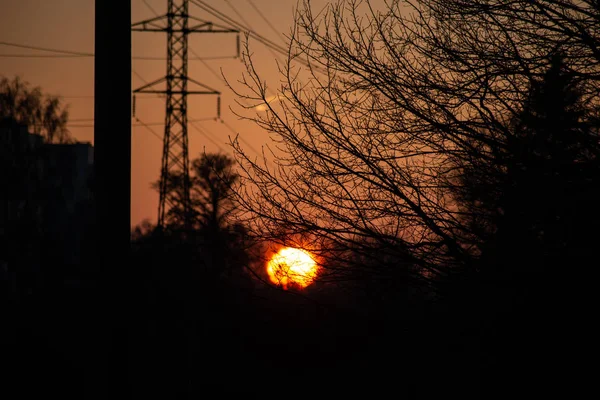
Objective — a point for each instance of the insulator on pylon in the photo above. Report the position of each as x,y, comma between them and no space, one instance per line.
219,107
134,105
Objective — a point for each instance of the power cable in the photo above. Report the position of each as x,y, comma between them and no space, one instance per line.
39,48
149,7
216,13
241,17
143,58
269,24
75,97
147,126
203,59
204,132
219,77
249,26
190,49
61,53
261,39
241,137
141,123
41,56
140,77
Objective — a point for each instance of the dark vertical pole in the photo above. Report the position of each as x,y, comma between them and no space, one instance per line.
112,167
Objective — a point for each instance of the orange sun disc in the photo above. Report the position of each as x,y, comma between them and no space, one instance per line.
292,266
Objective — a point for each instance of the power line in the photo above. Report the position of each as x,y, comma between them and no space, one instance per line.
142,58
261,39
68,54
147,126
246,22
219,77
145,96
241,137
150,58
238,14
201,4
269,24
200,129
140,124
160,96
75,97
80,119
39,48
139,76
204,132
216,13
191,50
175,140
149,6
61,53
41,56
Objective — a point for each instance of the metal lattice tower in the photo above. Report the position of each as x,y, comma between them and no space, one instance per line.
175,141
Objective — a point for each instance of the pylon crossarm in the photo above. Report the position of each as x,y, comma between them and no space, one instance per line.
177,92
212,91
206,26
151,25
143,89
202,92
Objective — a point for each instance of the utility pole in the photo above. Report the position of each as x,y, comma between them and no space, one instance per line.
112,186
175,160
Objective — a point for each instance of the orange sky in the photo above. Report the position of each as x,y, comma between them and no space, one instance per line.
69,25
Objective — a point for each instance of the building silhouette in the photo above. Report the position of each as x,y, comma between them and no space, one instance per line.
46,202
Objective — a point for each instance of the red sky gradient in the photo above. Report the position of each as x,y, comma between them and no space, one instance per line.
69,25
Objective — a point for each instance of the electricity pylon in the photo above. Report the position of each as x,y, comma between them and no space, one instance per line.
175,141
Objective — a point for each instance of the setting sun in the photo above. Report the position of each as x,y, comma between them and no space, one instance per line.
292,266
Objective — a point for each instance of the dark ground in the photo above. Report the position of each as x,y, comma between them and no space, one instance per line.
56,343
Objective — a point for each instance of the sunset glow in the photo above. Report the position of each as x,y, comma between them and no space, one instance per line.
292,266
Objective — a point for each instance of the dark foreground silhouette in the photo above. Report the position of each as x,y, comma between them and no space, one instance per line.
185,339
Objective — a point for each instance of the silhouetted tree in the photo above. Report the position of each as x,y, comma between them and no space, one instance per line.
367,138
221,240
537,192
34,165
192,282
25,187
41,230
528,206
445,132
211,181
212,196
42,114
21,202
212,189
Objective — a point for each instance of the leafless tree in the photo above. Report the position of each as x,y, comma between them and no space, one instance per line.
373,126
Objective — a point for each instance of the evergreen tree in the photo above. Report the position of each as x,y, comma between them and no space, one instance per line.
216,241
551,174
528,201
